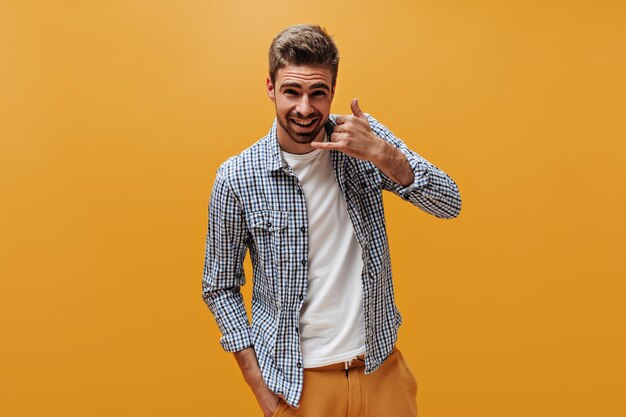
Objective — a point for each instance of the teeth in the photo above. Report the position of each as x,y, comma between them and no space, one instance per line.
303,123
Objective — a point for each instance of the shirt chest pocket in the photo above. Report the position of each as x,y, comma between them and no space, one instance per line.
365,189
270,233
365,180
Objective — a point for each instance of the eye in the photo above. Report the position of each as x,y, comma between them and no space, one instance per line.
291,92
319,93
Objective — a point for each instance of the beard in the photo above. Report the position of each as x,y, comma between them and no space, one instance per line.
296,133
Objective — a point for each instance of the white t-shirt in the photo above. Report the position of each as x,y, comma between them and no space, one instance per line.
331,319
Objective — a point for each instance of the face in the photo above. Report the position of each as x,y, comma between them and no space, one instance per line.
302,96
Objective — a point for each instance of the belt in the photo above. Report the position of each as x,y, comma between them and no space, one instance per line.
356,362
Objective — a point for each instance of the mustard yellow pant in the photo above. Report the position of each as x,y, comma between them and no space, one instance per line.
330,391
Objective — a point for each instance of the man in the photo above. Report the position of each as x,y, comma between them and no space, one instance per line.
306,201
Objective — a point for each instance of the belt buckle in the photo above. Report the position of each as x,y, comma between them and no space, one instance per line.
349,363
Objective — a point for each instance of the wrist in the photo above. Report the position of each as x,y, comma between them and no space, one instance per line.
382,153
257,384
267,400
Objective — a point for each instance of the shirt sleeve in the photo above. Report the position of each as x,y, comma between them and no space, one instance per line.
432,190
226,245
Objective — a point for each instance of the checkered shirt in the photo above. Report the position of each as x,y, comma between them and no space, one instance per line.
257,204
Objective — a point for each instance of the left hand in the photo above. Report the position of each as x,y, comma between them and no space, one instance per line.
354,136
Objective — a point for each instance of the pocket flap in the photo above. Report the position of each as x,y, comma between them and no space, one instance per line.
367,178
270,220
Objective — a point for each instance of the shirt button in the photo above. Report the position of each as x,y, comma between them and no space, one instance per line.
304,262
269,224
299,365
299,191
297,330
302,229
301,297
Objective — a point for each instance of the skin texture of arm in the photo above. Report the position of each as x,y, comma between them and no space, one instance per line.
267,399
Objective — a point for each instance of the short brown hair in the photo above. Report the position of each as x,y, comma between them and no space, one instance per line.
304,45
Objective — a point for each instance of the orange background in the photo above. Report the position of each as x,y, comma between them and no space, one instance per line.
114,116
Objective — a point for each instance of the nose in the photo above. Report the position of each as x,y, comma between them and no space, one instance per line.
304,106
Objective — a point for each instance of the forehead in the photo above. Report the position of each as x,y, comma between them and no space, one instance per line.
304,75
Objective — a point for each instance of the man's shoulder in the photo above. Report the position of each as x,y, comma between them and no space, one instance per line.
247,161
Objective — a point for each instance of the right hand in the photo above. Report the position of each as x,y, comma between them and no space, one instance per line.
267,399
268,403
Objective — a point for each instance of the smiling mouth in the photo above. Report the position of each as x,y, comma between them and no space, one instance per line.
303,122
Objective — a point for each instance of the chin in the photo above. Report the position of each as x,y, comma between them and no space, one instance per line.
304,138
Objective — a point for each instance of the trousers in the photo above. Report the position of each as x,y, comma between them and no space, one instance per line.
343,390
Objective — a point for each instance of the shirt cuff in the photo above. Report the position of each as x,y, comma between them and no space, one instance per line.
237,340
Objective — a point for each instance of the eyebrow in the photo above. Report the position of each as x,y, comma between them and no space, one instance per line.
295,84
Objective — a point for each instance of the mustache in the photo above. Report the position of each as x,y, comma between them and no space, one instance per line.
309,117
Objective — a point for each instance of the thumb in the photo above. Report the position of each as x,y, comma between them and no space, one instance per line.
356,110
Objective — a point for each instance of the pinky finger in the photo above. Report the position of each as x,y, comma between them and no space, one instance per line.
323,145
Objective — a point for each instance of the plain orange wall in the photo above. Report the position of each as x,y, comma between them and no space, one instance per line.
114,116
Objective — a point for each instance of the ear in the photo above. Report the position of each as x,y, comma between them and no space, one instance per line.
270,89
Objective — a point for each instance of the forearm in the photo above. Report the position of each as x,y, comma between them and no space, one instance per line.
247,361
430,188
394,164
249,366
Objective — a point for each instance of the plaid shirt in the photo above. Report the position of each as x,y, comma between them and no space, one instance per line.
257,204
